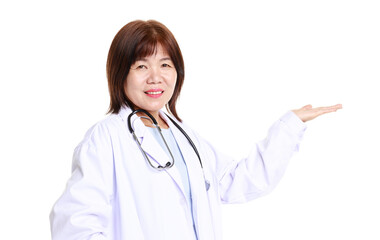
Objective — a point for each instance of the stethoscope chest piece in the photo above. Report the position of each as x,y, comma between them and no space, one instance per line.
207,184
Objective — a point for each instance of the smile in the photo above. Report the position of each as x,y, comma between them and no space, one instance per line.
154,93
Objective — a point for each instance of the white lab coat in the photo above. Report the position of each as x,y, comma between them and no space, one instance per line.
114,194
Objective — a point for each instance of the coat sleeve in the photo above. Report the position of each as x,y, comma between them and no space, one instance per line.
260,172
83,210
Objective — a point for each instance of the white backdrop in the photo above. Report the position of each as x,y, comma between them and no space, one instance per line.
247,62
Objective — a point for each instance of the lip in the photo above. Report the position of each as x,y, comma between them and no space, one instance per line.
154,92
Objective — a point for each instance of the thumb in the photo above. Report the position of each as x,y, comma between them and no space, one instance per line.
309,106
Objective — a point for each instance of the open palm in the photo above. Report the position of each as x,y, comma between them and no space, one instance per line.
308,113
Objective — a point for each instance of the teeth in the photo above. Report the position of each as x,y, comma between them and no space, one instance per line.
154,93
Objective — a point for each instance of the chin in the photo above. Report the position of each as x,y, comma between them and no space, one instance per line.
153,108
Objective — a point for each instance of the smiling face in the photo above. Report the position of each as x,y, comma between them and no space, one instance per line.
151,81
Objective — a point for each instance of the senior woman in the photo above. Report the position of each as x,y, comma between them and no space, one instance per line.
163,181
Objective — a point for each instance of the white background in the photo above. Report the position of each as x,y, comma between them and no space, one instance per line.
247,63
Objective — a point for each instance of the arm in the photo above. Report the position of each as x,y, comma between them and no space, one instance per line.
261,171
83,210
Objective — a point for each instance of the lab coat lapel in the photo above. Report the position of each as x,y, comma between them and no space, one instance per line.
155,152
153,149
148,142
201,208
191,159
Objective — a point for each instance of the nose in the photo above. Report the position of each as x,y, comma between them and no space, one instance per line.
154,76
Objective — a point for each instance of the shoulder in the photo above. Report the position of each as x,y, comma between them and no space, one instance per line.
102,131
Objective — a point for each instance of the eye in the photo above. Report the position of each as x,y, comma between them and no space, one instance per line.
139,67
165,65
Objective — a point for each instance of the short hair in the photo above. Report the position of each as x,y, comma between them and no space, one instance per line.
136,40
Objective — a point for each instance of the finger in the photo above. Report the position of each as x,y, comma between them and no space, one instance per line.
334,107
337,106
324,110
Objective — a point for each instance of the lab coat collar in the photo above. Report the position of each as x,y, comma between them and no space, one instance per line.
137,124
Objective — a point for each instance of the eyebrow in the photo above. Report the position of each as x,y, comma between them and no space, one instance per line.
141,59
162,59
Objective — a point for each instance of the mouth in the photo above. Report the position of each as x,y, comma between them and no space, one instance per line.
154,93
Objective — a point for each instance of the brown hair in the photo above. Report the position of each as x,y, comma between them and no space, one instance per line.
139,39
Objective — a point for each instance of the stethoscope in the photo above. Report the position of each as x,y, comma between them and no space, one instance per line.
154,122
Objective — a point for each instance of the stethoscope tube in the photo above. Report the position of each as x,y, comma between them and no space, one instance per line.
154,121
188,138
150,117
137,111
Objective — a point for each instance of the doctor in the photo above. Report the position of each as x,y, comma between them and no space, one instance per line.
118,191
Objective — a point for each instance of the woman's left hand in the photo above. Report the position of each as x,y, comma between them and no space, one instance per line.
308,113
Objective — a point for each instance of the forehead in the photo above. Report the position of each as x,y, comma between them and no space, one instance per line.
151,50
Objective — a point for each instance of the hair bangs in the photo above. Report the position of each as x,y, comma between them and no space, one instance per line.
144,49
148,47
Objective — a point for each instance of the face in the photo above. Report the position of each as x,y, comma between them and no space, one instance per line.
151,80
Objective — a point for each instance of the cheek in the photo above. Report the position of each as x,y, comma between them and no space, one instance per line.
174,82
173,86
131,83
173,79
130,89
127,87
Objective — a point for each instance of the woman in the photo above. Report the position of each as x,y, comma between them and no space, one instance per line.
138,186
